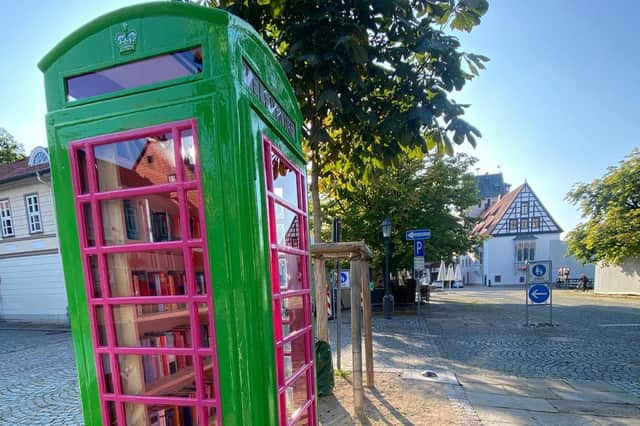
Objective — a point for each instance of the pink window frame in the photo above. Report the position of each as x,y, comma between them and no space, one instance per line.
302,252
186,245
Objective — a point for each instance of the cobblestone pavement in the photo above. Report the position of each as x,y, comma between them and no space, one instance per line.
38,383
595,338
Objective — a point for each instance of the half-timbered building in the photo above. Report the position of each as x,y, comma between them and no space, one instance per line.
517,228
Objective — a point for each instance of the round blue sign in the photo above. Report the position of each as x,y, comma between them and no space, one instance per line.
539,270
343,277
539,293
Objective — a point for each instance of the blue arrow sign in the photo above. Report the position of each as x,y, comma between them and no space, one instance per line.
418,234
539,270
539,293
343,277
418,248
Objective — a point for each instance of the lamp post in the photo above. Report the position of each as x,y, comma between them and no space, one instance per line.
387,300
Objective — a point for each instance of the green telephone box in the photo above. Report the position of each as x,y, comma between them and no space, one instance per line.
179,185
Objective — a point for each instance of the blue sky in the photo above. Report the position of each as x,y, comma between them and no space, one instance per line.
558,103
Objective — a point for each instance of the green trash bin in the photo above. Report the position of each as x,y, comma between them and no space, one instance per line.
324,368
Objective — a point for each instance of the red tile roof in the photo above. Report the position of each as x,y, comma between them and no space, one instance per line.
492,215
19,169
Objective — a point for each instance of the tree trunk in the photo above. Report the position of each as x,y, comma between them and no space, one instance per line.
315,199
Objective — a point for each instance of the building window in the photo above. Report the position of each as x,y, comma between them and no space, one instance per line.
5,219
524,208
497,279
33,213
524,224
535,223
525,250
130,219
513,224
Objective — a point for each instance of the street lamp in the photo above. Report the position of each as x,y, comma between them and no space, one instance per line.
387,300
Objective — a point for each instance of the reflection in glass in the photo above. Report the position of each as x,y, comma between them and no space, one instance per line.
296,396
284,180
82,170
108,378
294,358
290,272
146,71
88,223
292,311
287,227
193,203
188,154
134,163
95,276
148,218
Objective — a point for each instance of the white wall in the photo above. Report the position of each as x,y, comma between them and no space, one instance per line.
31,279
499,257
560,258
624,279
32,289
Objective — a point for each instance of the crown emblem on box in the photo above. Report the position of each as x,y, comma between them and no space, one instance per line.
126,40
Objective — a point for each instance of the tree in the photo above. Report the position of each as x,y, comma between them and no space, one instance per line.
611,207
372,78
417,194
10,150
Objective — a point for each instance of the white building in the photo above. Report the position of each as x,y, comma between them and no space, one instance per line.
517,228
31,279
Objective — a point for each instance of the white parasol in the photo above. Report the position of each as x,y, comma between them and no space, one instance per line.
457,276
450,273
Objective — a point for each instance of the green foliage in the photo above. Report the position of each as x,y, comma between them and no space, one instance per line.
416,194
373,78
611,206
10,150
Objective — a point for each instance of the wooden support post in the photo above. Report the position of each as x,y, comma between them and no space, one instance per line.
356,337
319,281
366,315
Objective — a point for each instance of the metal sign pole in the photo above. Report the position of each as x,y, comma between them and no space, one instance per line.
336,231
526,292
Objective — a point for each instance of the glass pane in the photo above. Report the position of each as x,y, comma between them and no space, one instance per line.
193,208
95,276
287,227
157,375
198,267
102,328
150,273
134,163
81,156
108,378
294,358
147,71
296,396
292,311
153,326
161,415
290,271
209,384
205,329
111,412
284,180
189,158
88,225
149,218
